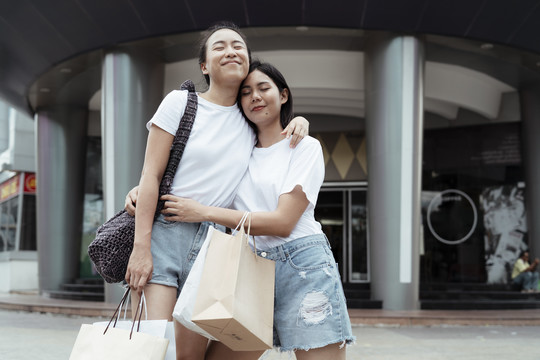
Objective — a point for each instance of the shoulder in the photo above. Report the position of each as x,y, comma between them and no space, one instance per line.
175,96
307,144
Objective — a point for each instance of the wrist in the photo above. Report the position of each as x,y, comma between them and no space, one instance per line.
206,213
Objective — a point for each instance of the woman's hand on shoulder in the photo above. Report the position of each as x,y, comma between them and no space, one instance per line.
298,128
182,209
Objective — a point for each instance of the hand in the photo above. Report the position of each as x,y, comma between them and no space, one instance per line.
298,128
131,200
139,269
182,209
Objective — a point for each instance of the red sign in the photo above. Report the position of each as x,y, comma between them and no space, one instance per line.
29,183
9,188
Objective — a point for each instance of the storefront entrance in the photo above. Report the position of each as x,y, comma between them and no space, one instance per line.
342,212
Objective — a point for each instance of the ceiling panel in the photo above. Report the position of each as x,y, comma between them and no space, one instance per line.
529,33
38,34
71,23
340,13
391,14
450,17
501,19
275,13
164,17
115,19
206,14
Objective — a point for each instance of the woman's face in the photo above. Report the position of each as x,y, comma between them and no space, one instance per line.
227,58
261,99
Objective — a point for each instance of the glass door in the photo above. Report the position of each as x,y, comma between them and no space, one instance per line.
342,213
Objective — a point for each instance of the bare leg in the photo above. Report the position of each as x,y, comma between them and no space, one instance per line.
218,351
189,345
160,301
331,351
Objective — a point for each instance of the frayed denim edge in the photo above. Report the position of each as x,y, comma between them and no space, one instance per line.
349,341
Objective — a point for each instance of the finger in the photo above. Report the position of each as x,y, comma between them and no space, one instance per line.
173,218
130,209
294,141
142,282
289,130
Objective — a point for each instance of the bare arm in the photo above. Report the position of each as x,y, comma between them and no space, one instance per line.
140,264
279,222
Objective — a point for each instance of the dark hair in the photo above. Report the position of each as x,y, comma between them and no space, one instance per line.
286,114
212,29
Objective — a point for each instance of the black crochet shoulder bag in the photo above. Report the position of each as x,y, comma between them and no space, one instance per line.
112,246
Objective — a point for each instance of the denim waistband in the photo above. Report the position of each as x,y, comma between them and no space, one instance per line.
282,252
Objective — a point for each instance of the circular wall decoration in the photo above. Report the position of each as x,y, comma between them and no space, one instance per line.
452,216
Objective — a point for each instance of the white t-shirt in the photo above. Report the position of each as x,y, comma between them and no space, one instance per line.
277,170
217,152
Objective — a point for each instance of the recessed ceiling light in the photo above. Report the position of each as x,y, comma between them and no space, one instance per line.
486,46
45,90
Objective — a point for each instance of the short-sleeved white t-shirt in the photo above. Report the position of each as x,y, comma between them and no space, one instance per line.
277,170
217,152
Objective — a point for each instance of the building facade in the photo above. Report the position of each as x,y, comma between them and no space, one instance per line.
427,114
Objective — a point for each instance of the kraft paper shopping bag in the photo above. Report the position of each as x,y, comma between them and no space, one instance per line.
235,300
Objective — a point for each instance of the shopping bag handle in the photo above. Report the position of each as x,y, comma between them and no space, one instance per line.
138,312
241,224
116,312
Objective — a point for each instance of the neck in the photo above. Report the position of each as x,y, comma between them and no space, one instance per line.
221,95
268,136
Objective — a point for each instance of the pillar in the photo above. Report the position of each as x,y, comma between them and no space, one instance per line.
61,154
394,124
132,89
530,122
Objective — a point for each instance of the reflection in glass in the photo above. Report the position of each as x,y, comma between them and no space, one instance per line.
359,244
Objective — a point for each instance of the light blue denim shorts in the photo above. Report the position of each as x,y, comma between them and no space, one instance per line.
174,247
309,305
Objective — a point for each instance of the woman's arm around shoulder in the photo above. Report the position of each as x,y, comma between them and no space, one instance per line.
279,222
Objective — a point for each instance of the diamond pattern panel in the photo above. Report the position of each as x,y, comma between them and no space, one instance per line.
344,156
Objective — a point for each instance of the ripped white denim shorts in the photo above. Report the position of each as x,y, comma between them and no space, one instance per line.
309,305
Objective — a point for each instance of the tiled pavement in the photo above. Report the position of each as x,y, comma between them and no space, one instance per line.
33,326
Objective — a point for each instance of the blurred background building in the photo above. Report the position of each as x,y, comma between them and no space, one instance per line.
428,113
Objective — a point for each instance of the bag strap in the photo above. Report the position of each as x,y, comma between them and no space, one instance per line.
138,312
179,142
117,311
241,225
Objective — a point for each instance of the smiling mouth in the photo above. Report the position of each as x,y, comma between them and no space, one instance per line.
257,108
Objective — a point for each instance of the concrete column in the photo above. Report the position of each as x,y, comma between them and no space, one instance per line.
530,122
132,88
61,155
394,124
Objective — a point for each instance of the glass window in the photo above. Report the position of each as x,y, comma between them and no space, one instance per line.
8,224
473,204
359,264
28,225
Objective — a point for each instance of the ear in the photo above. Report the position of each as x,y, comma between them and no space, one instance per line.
204,69
284,97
